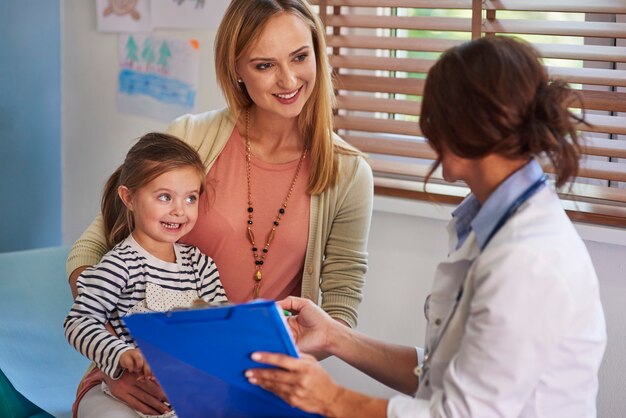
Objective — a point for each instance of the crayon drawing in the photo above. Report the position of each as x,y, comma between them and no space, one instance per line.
122,8
123,15
158,77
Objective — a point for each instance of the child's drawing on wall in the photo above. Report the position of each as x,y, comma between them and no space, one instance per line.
121,8
123,15
157,76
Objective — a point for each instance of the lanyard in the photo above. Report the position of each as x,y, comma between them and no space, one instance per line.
422,369
534,188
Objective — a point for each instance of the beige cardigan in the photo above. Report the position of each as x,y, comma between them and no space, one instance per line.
336,257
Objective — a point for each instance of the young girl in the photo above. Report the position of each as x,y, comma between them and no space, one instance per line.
515,323
149,202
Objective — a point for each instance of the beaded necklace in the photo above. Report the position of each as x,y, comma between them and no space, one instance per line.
260,258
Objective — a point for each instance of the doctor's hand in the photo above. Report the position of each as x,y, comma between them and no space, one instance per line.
143,395
311,326
302,383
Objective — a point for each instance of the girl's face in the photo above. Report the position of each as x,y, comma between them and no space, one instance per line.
279,70
164,209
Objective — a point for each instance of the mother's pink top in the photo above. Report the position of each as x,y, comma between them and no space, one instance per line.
220,231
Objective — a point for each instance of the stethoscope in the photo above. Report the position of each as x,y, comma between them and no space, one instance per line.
422,369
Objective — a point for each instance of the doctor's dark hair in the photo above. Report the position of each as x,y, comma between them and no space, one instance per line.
154,154
492,95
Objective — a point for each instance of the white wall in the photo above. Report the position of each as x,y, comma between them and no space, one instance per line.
403,254
404,248
609,261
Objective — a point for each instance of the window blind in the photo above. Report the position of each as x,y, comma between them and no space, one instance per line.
381,50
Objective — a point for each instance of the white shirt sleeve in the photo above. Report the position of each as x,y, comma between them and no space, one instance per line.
402,406
419,351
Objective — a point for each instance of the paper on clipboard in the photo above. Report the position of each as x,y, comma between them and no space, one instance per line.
199,357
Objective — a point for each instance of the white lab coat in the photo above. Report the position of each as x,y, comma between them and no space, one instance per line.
528,335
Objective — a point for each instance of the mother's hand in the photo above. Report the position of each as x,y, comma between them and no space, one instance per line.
143,395
302,382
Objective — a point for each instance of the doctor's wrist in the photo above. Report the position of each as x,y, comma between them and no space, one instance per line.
336,337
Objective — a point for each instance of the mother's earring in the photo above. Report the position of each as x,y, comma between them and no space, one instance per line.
240,81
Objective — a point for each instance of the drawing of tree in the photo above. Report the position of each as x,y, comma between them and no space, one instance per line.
147,53
131,51
164,56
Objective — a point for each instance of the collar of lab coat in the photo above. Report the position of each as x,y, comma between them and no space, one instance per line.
470,216
469,248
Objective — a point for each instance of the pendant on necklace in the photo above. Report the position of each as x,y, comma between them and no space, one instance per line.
257,285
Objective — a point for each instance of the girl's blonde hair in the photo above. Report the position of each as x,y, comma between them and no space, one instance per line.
240,28
154,154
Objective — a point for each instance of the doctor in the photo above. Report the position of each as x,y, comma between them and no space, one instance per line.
515,323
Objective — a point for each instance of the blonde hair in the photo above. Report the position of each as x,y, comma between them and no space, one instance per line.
240,28
154,154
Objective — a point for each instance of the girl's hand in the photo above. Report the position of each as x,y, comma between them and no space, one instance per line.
302,383
133,361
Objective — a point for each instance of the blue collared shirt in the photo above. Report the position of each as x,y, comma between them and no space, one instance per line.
470,215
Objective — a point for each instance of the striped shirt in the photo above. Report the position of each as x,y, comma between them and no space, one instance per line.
117,286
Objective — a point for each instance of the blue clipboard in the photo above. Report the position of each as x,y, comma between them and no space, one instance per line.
199,357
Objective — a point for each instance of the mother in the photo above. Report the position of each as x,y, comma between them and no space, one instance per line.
291,202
